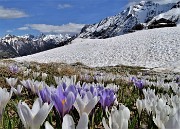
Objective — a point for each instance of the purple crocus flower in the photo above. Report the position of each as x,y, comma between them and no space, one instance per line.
63,99
107,97
133,79
45,93
69,88
139,84
27,83
14,68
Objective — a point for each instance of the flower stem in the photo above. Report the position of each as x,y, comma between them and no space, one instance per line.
1,121
92,127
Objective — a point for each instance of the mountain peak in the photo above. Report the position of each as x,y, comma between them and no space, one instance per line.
29,44
8,36
126,21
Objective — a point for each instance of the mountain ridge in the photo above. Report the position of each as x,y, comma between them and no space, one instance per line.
123,22
13,46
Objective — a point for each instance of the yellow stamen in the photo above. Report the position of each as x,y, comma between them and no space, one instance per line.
63,101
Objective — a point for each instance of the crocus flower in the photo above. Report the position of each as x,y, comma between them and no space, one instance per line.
86,103
18,90
174,121
11,81
133,79
48,125
139,84
45,93
4,99
32,85
14,68
139,106
68,81
33,118
118,119
27,83
107,97
38,86
63,99
44,76
27,72
36,74
38,67
68,122
158,121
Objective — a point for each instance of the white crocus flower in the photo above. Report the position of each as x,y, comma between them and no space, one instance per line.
26,73
44,76
85,104
118,118
139,106
11,81
65,79
161,104
38,67
36,74
174,121
32,85
33,118
158,121
4,99
48,125
18,90
68,122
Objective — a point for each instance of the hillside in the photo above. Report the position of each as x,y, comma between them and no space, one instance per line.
148,48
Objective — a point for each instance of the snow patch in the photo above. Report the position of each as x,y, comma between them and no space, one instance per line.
147,48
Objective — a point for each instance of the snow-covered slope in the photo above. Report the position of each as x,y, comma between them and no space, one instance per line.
124,22
172,15
149,48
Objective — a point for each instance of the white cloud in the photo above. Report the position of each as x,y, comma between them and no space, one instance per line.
63,6
23,28
9,31
70,28
9,13
132,2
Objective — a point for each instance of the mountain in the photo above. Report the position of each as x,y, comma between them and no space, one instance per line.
124,22
147,48
172,15
13,46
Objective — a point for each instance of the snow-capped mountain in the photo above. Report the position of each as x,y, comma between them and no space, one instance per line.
12,46
125,21
173,15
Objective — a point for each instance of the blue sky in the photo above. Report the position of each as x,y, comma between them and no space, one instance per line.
21,17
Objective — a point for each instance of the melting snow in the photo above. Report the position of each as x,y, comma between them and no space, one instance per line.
148,48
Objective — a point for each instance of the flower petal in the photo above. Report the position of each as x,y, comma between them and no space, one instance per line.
79,105
42,114
48,126
92,103
104,123
27,114
83,122
68,122
21,115
36,106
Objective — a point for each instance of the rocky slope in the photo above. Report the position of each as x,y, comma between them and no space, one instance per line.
172,15
13,46
125,21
